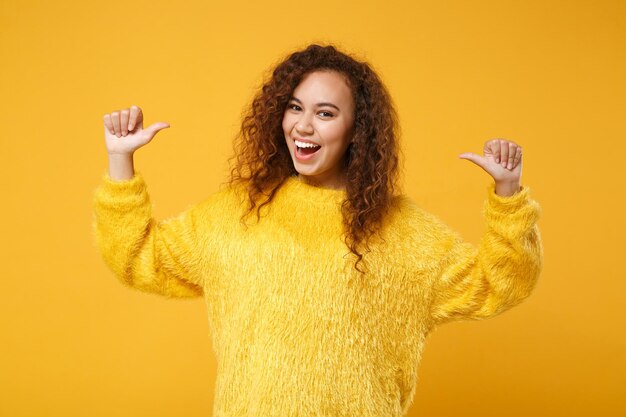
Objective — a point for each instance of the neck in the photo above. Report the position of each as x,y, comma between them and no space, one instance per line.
337,182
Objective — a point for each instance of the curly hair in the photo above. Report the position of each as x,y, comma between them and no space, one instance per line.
263,161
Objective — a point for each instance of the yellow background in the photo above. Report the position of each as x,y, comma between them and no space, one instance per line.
549,75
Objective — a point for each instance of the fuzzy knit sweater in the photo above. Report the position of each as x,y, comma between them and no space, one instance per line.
295,329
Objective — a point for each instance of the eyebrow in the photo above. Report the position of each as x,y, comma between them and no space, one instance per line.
318,104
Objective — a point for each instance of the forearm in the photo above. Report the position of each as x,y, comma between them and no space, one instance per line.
121,166
511,250
477,284
157,257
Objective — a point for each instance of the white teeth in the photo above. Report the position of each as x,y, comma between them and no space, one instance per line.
305,144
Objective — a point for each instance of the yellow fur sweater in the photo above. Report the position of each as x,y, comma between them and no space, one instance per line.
295,330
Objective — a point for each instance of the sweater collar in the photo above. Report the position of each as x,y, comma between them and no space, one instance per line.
311,193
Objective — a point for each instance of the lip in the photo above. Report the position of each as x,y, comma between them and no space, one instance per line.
304,157
306,141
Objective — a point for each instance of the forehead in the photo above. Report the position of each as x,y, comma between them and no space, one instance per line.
319,86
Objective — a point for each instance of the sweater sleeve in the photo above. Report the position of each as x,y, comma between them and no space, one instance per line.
479,283
158,257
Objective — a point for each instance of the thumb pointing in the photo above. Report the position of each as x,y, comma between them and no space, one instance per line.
477,159
154,128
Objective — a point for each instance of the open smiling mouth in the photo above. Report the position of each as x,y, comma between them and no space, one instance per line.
306,148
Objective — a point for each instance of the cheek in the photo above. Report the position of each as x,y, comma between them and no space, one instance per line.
287,132
336,136
287,123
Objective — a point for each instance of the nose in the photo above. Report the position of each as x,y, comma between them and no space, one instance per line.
303,125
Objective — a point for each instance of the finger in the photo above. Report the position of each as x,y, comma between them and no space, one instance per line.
504,152
495,150
511,158
518,156
115,118
124,121
108,124
154,128
477,159
132,122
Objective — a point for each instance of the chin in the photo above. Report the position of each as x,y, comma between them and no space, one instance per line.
304,170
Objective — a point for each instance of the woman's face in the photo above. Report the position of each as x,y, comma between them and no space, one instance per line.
320,112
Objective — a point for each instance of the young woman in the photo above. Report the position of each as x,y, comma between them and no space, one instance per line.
320,302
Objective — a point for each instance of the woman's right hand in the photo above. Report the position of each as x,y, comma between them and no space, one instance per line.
124,132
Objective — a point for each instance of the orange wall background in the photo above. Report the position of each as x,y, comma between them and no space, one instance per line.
549,75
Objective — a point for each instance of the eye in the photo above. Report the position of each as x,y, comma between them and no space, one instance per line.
296,108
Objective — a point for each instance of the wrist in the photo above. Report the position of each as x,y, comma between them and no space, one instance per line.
120,156
121,166
507,189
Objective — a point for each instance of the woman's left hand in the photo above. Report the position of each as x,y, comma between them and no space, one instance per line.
503,161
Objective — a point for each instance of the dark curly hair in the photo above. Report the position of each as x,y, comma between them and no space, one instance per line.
263,161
